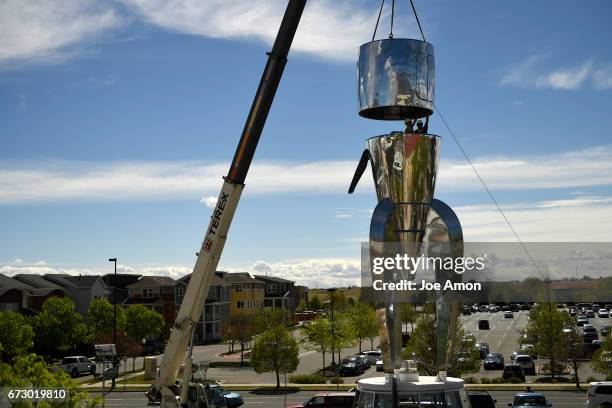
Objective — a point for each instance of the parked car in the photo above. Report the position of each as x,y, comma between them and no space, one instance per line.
481,399
364,360
483,325
573,312
515,307
77,365
529,349
529,399
467,312
513,370
605,330
525,306
379,365
494,361
154,347
372,355
590,314
526,363
588,337
508,314
329,400
483,349
602,313
483,308
599,394
231,398
352,366
581,320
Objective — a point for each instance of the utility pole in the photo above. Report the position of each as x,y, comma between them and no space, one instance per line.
114,260
332,292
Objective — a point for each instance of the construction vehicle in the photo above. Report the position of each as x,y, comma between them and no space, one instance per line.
189,393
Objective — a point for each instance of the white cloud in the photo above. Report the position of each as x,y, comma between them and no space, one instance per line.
210,201
602,78
175,272
28,182
332,29
531,73
45,31
565,79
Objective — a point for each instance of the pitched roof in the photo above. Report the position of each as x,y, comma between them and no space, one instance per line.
152,281
36,281
273,279
240,277
84,281
215,281
8,282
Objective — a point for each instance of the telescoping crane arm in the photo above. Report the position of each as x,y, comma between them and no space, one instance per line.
221,219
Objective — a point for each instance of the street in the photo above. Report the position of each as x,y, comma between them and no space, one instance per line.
569,399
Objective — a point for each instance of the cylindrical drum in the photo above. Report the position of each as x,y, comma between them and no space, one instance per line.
396,79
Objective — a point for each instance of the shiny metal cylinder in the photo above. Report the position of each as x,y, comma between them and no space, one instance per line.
396,79
404,167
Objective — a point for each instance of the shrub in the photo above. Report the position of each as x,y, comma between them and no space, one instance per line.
307,379
470,380
514,380
497,380
485,380
609,377
336,380
593,379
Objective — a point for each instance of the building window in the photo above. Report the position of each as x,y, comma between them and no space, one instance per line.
272,288
180,291
147,292
240,304
238,288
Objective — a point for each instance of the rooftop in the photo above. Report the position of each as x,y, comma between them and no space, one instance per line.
152,281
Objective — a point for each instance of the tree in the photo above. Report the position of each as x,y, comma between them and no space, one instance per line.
364,322
275,351
31,371
572,346
408,315
269,318
16,335
343,334
315,303
239,329
546,324
58,327
602,359
318,336
100,318
142,323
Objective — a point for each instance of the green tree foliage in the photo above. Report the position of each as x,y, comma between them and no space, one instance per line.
16,335
602,359
58,327
343,334
100,318
546,324
318,336
269,318
408,314
315,303
241,330
363,321
275,351
142,322
31,370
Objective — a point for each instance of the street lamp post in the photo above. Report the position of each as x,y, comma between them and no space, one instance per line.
332,291
114,260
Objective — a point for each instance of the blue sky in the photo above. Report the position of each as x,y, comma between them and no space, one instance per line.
118,120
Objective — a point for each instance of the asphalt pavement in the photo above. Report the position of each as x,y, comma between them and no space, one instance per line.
568,399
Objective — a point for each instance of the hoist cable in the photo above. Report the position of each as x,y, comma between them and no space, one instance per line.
392,15
484,185
378,19
416,16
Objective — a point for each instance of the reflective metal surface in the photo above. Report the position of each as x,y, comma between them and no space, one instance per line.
444,238
396,79
404,168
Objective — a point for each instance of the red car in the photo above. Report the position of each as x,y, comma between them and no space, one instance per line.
329,400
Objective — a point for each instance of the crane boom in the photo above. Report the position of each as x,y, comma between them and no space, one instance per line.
221,219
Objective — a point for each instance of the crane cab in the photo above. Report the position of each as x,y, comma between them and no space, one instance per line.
425,392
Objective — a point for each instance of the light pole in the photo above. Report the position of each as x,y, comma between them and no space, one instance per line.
114,260
332,291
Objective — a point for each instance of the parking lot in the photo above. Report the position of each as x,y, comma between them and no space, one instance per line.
503,335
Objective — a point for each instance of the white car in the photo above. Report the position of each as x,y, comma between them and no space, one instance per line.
599,394
602,313
372,355
526,363
77,365
379,365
